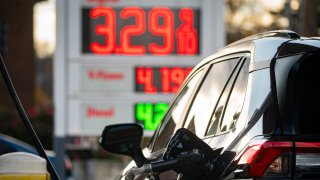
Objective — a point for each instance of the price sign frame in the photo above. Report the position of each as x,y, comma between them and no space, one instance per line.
104,80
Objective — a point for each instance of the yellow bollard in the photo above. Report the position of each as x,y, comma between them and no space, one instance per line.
23,166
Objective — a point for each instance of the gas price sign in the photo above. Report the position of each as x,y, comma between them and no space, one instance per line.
134,30
150,114
163,79
126,59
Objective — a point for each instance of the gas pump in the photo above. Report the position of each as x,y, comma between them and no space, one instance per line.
23,166
13,165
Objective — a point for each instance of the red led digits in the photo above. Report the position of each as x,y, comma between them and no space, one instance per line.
166,30
124,32
187,37
177,78
172,78
144,76
187,71
107,30
165,79
132,30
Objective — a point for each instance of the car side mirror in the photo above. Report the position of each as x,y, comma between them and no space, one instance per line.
124,139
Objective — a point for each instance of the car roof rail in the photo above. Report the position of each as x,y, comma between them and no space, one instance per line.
278,33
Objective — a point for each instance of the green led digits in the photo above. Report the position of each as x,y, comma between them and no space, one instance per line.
150,114
144,113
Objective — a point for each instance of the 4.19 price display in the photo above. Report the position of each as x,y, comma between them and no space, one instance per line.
163,79
139,31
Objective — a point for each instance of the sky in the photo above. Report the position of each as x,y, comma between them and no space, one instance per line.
44,28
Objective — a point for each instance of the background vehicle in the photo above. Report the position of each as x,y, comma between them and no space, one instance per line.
10,144
254,102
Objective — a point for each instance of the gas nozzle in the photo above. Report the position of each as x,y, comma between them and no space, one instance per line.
186,154
179,165
133,172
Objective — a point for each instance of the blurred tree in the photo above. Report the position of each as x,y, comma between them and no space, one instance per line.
247,17
41,119
308,18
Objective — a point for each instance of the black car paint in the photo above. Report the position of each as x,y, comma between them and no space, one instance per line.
225,165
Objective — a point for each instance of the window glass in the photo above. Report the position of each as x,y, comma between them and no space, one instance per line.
207,97
236,99
269,119
305,97
220,107
174,116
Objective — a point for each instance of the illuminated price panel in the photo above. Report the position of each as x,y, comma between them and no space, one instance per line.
151,80
126,59
163,79
139,31
150,114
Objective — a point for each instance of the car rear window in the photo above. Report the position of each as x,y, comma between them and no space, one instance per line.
303,95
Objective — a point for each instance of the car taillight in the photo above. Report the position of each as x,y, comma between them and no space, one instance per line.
280,166
308,159
266,158
274,159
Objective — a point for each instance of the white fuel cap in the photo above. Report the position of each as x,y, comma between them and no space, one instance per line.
22,163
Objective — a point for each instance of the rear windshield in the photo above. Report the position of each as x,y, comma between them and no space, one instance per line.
304,95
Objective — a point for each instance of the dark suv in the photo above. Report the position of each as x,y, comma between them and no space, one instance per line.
255,103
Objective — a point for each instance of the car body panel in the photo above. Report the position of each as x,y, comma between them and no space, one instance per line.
272,56
10,144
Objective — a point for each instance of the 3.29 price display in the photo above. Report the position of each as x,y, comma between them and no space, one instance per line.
139,31
163,79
